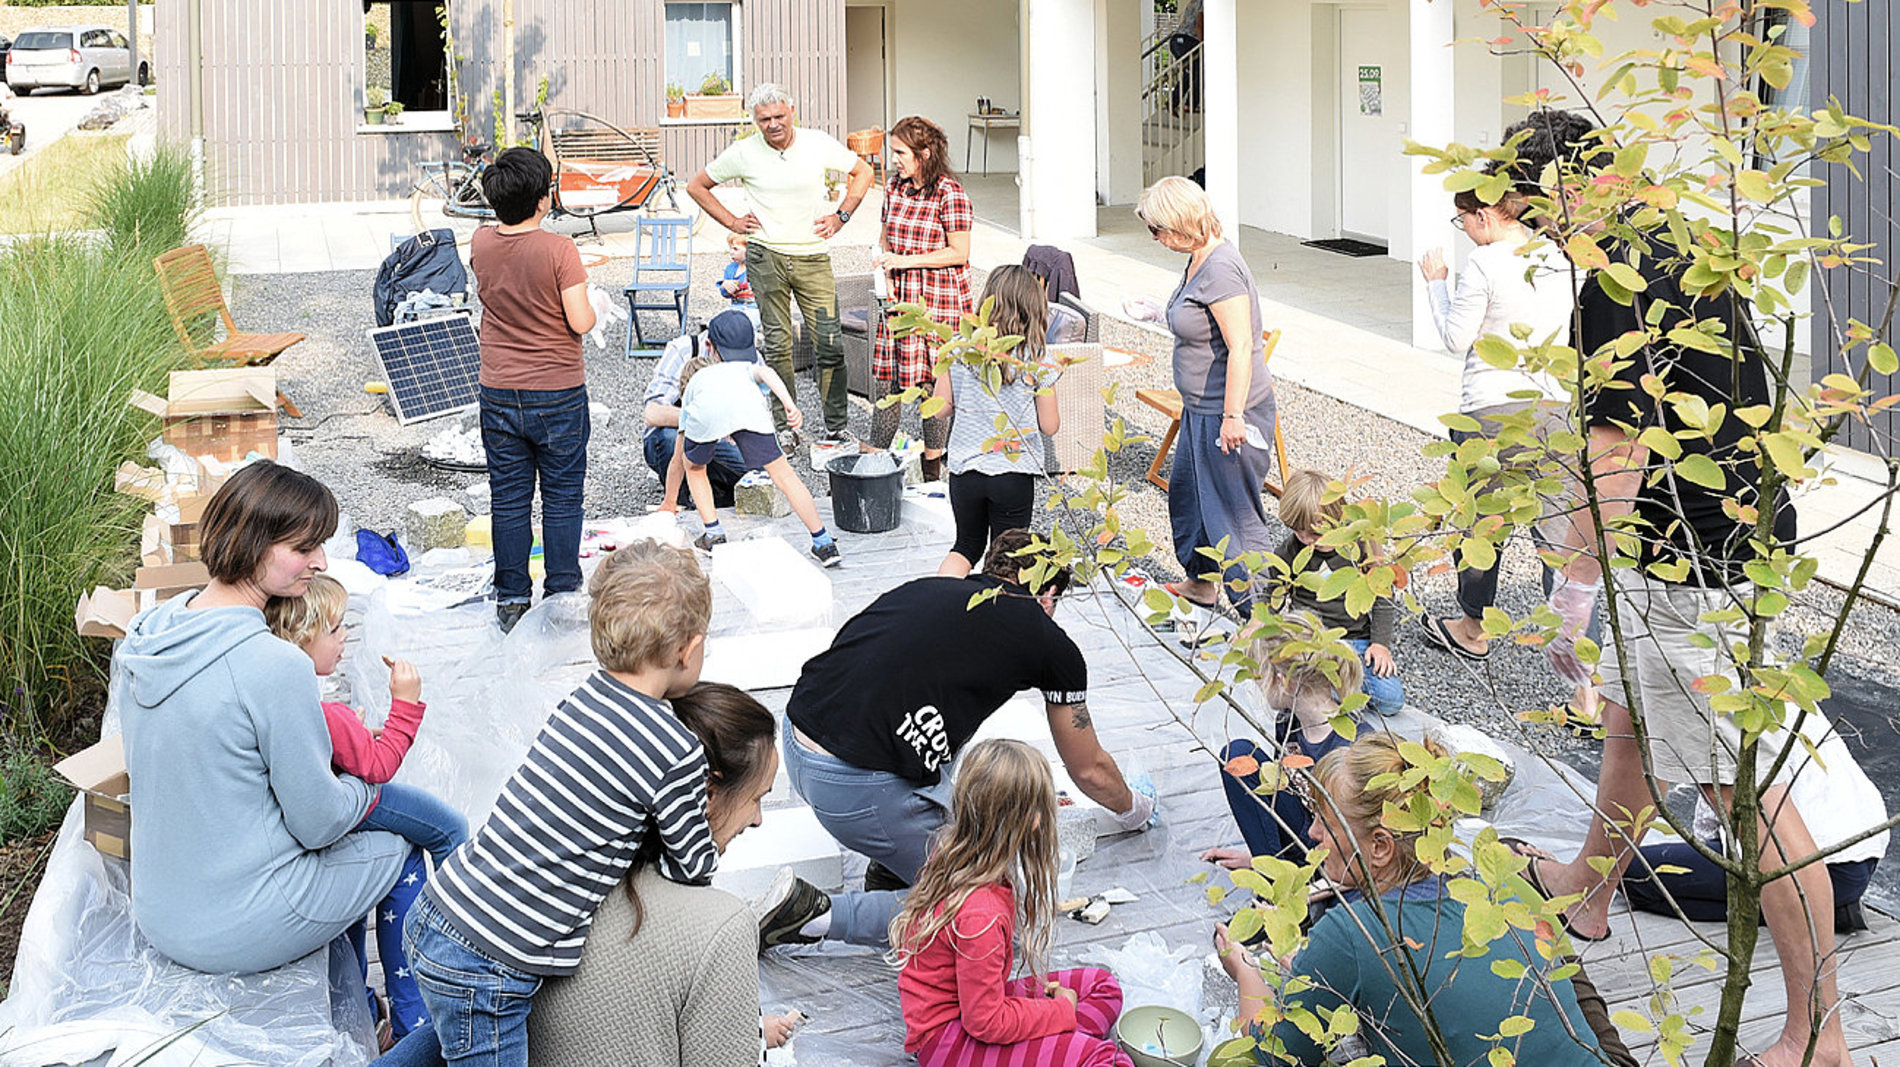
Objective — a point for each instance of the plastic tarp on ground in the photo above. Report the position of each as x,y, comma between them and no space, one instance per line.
86,984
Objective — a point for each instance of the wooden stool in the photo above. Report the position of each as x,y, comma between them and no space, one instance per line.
1168,402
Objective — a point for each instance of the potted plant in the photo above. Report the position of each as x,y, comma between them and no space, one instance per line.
393,111
376,98
715,100
675,100
834,185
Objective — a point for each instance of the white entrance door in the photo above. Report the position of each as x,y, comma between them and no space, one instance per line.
864,68
1368,120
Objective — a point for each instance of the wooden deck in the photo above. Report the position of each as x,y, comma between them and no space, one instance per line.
851,995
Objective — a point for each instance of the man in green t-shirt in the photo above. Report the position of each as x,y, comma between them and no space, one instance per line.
783,171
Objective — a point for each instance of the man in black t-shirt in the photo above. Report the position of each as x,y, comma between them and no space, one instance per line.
907,682
1694,541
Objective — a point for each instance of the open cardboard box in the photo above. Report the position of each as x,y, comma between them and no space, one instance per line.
225,414
105,612
99,774
170,579
175,539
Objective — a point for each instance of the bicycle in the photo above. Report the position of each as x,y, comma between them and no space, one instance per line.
604,171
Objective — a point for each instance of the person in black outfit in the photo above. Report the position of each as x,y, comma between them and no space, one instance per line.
877,717
1693,542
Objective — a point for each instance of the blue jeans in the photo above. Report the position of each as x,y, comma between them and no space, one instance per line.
873,813
529,434
1276,824
420,817
1388,694
480,1006
725,470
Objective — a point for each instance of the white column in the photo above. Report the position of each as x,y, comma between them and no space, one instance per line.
1057,147
1430,123
1118,100
1220,110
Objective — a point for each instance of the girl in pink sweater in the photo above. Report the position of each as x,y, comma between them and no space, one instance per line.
986,894
314,623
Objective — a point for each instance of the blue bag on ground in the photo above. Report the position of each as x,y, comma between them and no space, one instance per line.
426,261
381,553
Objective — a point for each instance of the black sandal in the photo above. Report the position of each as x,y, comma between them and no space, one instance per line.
1533,853
1438,635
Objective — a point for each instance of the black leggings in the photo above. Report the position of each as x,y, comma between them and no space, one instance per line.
987,504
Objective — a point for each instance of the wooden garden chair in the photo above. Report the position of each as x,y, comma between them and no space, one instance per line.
1168,402
196,304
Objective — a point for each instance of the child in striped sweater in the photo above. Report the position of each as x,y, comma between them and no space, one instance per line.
612,764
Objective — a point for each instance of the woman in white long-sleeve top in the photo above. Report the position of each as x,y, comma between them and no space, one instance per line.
1508,281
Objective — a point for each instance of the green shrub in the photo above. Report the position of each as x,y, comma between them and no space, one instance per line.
32,798
81,324
148,207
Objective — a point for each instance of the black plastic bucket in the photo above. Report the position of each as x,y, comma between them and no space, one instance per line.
865,503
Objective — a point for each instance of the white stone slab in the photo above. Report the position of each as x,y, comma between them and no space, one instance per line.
763,661
778,585
787,837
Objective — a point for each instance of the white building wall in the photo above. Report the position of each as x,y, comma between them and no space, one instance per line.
944,55
1277,143
1057,149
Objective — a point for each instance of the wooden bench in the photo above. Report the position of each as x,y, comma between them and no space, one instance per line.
1168,402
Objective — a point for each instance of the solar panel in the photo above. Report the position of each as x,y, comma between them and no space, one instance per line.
433,367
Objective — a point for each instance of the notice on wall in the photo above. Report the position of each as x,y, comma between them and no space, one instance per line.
1371,100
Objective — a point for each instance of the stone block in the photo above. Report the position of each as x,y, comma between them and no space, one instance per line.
794,838
437,522
1459,739
756,495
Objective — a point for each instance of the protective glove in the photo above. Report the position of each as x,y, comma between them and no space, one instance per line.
1147,810
1573,601
607,314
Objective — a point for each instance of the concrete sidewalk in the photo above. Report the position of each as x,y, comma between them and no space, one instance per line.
1367,366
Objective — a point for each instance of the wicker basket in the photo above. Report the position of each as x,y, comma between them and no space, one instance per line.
866,142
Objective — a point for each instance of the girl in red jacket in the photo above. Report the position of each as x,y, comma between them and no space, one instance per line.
986,894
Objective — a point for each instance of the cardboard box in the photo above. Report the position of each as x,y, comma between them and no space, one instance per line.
177,527
168,580
99,774
155,546
105,612
146,483
225,414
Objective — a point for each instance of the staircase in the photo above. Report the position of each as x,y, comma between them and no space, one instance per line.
1172,141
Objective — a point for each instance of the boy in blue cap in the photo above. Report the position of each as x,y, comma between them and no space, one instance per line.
723,396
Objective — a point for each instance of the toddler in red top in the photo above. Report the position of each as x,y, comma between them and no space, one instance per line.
986,894
314,623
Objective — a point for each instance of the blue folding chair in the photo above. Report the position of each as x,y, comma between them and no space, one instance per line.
662,265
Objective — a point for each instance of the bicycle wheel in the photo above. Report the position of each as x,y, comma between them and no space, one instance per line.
447,188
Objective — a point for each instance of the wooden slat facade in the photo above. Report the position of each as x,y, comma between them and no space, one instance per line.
1851,52
282,84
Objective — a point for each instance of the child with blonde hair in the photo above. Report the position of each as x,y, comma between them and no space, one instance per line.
612,765
985,898
1303,681
314,623
1306,512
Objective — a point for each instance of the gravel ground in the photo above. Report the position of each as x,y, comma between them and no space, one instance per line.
350,440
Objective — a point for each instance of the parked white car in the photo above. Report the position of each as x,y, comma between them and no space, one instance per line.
71,57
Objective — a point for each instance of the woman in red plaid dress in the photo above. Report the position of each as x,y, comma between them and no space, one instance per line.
926,249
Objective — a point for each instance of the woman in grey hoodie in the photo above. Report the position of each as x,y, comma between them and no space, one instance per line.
242,855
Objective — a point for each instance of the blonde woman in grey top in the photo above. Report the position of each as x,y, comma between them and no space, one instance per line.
994,464
1221,455
670,974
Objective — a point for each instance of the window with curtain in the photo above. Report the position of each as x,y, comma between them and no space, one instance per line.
404,57
700,42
